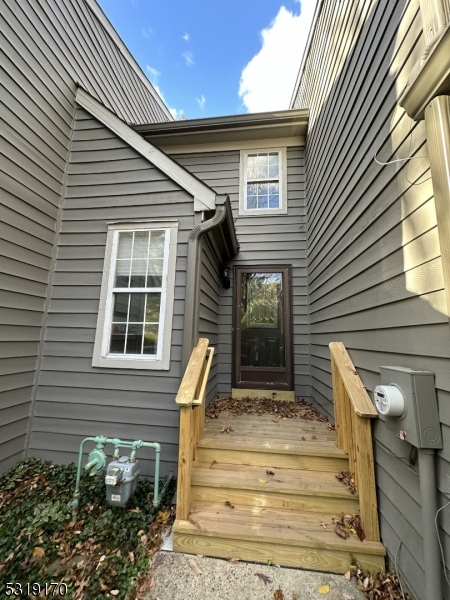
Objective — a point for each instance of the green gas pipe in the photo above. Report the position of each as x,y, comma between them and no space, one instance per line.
97,461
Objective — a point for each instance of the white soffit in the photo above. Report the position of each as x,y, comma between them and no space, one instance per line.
204,196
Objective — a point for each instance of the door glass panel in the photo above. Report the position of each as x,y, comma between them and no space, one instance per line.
262,320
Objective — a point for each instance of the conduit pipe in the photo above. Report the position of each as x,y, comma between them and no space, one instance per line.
428,498
192,276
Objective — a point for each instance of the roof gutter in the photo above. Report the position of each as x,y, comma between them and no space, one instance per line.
223,211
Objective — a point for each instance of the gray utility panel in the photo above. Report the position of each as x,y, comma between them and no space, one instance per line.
418,423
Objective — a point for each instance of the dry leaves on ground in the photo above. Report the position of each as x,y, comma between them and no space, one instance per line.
381,586
278,594
281,409
348,524
227,429
158,560
348,480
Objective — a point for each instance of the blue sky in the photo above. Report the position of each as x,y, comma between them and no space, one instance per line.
216,57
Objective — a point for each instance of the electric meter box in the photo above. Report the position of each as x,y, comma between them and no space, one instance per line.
121,480
418,421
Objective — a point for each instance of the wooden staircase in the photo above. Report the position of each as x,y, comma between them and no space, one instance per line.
267,492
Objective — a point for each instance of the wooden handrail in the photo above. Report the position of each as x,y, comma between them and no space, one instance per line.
353,410
191,400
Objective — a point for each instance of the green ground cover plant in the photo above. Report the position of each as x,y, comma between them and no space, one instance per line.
103,552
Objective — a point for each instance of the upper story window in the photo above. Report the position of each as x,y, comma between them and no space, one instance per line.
263,182
136,305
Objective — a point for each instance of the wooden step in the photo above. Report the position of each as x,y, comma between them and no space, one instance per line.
287,488
286,537
307,455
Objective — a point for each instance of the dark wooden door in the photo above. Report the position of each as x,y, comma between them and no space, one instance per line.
262,328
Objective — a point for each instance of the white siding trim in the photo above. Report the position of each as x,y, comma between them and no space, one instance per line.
204,196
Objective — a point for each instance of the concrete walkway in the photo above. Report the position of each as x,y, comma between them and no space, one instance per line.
219,579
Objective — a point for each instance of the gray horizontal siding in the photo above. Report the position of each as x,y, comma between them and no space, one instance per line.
73,398
374,267
263,240
48,47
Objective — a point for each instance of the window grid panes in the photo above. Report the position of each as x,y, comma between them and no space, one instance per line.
263,180
137,293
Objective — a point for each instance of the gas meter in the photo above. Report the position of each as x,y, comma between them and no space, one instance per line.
407,400
121,480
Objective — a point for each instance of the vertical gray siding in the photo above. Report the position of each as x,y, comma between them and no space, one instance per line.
264,240
107,181
374,271
48,47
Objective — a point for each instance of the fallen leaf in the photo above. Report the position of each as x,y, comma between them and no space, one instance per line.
270,473
348,575
233,559
341,531
200,555
278,594
214,462
262,480
114,592
134,510
347,597
194,567
227,429
264,578
324,589
348,480
38,553
158,560
314,437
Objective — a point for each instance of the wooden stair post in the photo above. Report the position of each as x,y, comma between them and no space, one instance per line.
191,400
353,411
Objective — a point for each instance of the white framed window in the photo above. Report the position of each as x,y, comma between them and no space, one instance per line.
263,188
134,325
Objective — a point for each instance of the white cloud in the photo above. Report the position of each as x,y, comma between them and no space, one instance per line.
186,37
268,80
147,32
154,75
188,58
201,102
178,115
